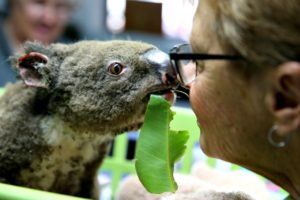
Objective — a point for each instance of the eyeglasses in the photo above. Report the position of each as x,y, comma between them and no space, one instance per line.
185,64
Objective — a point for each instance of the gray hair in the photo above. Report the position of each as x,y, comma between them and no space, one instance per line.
265,32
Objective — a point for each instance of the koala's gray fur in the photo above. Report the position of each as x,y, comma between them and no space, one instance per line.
54,136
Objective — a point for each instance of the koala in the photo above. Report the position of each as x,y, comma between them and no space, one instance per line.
57,122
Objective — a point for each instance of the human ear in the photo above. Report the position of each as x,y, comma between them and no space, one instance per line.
284,99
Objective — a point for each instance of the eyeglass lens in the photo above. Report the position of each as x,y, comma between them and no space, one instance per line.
187,68
187,71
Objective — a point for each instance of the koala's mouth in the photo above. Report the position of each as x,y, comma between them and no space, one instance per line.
136,124
167,94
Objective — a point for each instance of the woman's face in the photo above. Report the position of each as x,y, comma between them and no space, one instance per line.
42,20
230,109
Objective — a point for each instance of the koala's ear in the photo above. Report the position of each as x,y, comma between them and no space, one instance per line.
32,69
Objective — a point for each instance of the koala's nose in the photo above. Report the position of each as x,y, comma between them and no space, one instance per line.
162,62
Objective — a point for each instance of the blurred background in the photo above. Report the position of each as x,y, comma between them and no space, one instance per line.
161,22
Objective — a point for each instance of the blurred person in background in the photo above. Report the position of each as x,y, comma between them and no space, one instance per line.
45,21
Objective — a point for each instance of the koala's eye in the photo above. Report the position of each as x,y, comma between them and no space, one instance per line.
116,68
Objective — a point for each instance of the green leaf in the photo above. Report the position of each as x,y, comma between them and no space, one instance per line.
158,148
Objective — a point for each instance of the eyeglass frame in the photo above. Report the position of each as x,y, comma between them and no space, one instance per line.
175,57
